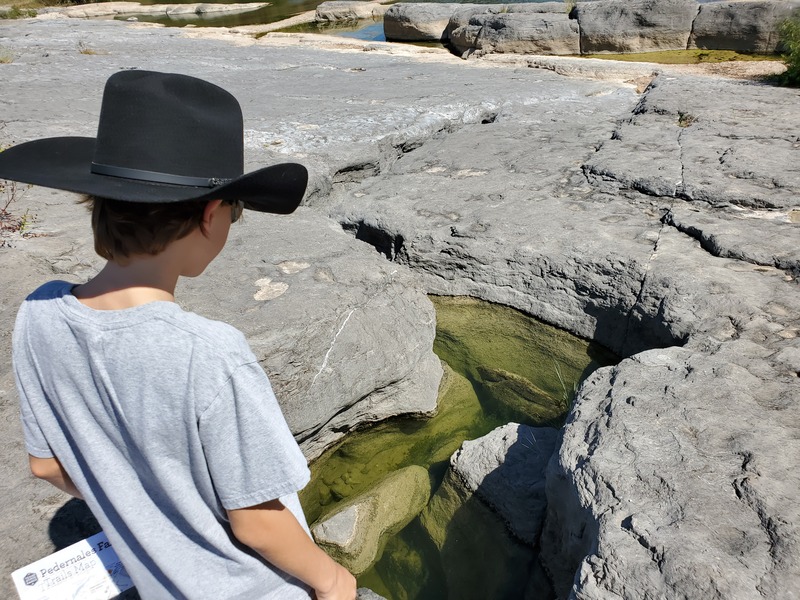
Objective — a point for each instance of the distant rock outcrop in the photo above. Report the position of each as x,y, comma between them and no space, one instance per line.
600,26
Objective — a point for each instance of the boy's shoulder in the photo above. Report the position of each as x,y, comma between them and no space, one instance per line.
50,290
217,335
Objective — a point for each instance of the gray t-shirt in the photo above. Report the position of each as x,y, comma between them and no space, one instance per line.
163,419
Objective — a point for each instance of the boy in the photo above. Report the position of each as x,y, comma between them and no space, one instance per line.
160,419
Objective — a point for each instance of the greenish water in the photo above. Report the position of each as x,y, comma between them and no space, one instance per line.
502,366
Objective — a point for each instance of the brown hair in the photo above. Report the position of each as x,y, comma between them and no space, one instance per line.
123,228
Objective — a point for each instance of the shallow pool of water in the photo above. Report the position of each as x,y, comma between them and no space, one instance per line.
503,366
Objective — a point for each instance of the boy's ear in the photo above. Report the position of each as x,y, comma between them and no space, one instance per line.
208,214
208,211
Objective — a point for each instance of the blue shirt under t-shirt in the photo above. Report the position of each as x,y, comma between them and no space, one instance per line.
163,420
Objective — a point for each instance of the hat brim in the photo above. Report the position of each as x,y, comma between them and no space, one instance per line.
64,163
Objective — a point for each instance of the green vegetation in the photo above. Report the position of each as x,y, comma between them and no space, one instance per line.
6,57
10,192
790,36
685,119
15,12
685,57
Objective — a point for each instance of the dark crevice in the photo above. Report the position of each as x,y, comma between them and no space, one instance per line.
711,245
356,173
391,246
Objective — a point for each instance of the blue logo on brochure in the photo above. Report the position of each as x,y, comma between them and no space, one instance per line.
30,579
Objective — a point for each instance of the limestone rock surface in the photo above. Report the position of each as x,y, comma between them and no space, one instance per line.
418,22
179,11
506,470
676,452
348,10
353,535
749,26
500,183
635,25
517,32
730,151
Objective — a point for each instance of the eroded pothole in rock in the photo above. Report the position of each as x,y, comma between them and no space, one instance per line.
503,367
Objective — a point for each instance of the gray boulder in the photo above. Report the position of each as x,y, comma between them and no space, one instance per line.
367,594
672,454
417,22
348,10
506,470
362,325
619,26
517,32
749,26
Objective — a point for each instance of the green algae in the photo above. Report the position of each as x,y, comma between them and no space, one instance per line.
685,57
500,366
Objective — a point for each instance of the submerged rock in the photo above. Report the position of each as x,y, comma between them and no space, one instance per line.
355,533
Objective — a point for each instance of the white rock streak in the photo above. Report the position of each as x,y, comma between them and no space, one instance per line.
333,342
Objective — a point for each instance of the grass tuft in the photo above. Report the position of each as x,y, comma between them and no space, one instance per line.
790,38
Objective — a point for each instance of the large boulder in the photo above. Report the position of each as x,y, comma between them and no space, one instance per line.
749,26
355,533
517,32
619,26
675,480
418,22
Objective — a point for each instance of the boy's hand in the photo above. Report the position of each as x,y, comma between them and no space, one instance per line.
343,586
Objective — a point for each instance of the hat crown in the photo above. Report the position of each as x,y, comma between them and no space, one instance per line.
169,123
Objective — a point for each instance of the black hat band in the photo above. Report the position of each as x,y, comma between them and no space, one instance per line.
156,177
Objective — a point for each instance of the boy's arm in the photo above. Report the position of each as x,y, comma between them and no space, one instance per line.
272,530
51,470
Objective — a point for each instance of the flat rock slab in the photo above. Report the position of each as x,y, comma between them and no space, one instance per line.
183,11
728,151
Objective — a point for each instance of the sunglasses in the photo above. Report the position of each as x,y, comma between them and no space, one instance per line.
237,208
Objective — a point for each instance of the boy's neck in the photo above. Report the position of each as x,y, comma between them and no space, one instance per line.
139,280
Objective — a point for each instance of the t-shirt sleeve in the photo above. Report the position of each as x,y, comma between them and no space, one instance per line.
35,442
251,454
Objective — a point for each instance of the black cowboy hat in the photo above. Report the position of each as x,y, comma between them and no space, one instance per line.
162,137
